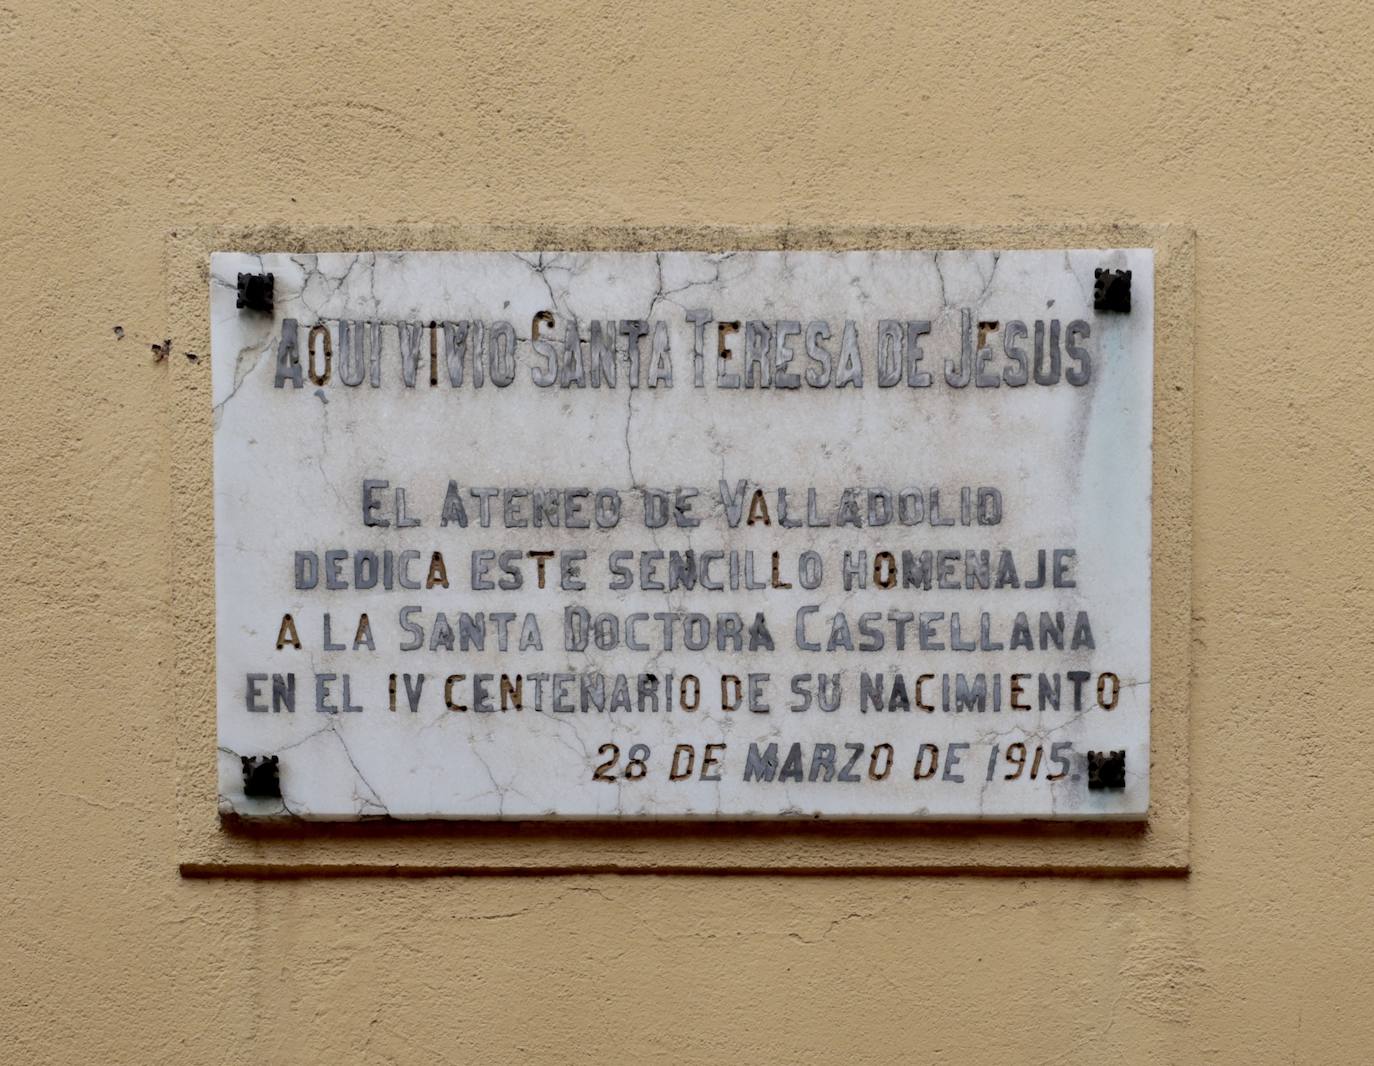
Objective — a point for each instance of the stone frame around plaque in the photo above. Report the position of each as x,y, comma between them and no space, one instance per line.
211,845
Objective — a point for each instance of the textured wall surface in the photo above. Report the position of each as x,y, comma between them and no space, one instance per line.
1249,121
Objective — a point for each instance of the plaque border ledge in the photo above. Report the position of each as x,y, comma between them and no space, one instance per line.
208,845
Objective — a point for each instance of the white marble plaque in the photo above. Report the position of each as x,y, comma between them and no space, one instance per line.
683,535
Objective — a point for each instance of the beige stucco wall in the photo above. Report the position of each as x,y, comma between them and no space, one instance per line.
1250,122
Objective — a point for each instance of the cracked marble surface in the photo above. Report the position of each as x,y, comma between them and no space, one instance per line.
1072,464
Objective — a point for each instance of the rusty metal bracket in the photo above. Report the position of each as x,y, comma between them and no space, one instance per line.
1106,769
1112,290
260,780
255,293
